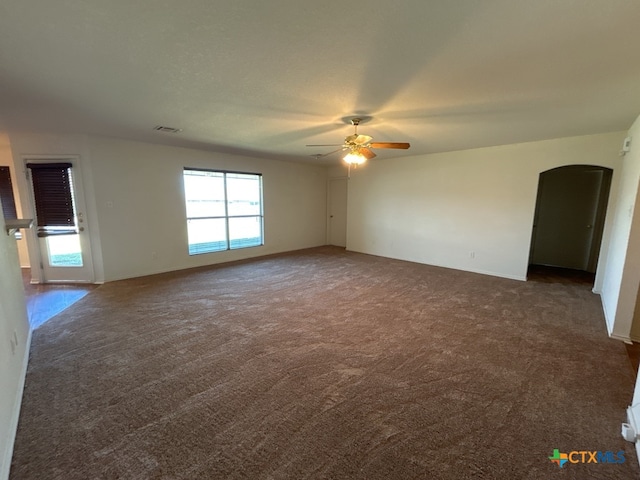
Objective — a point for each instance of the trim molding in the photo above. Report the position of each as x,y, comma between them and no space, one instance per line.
607,318
627,339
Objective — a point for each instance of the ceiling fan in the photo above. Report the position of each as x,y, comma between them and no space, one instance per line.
358,147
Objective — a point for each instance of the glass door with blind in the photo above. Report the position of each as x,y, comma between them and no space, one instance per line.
60,224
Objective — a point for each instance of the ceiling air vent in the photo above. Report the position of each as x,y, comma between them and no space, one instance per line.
163,129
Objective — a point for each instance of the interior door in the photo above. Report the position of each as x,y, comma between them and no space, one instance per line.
337,224
566,217
62,238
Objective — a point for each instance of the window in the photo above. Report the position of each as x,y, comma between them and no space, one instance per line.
56,216
224,210
52,187
6,194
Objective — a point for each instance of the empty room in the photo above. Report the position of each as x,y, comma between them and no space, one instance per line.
319,240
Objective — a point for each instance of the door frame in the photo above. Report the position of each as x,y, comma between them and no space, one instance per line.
600,211
329,200
36,257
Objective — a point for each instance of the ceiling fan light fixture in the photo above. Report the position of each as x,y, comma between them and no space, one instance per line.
354,158
359,147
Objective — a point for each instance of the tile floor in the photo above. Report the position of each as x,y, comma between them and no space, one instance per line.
46,301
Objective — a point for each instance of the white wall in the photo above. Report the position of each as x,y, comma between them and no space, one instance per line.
136,210
14,324
469,210
621,284
622,274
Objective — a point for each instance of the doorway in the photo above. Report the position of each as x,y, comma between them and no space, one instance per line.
337,210
569,217
60,244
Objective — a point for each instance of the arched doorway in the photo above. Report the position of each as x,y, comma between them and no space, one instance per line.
569,217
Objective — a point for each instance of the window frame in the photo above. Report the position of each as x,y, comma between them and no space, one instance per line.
226,217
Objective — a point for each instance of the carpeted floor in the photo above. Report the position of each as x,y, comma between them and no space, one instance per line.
325,364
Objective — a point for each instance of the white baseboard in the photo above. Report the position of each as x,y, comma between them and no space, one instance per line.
625,339
609,322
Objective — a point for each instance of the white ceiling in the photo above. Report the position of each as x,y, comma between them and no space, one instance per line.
267,77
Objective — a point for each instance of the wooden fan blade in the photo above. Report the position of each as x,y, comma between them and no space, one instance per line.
367,153
326,145
399,145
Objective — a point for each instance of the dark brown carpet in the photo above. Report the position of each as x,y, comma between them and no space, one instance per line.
324,364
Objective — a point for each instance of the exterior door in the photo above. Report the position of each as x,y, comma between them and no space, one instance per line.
569,217
62,245
337,222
